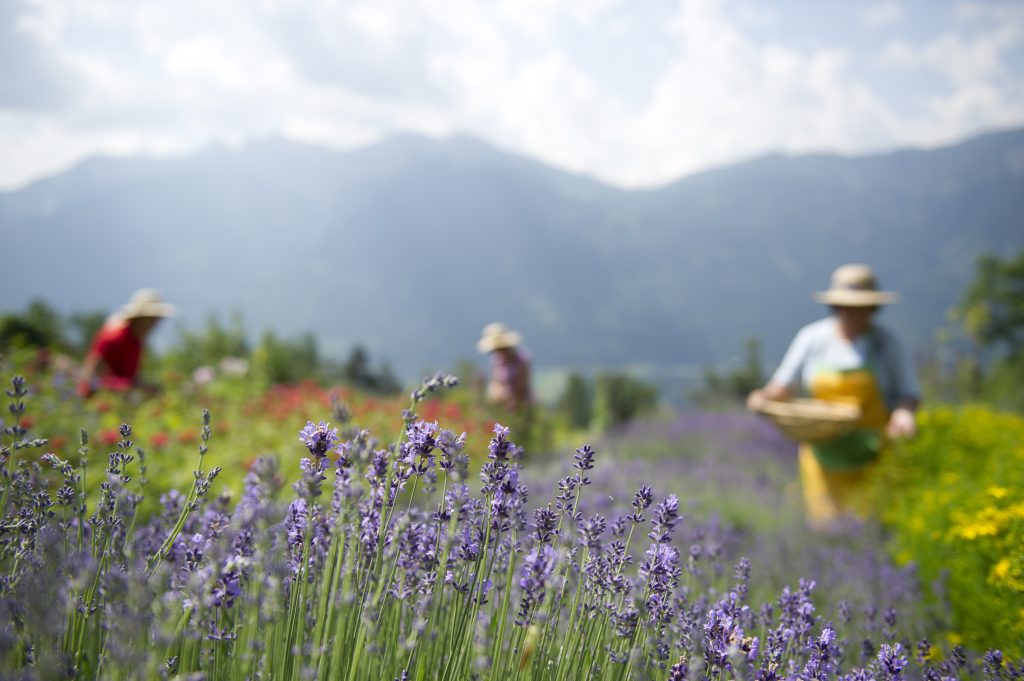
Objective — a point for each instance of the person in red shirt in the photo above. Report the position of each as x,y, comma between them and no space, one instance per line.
116,351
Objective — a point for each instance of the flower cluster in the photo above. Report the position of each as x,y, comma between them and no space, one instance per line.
382,562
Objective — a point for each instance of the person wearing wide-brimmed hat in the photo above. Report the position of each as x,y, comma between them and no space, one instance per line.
116,351
846,357
509,384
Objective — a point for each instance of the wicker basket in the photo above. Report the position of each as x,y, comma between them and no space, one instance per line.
806,420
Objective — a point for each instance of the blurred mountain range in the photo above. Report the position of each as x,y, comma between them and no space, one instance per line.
411,246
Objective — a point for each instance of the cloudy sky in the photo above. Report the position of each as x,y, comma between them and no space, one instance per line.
635,92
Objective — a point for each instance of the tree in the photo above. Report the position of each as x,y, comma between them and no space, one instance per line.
85,326
992,309
209,345
729,389
992,314
39,326
576,401
356,370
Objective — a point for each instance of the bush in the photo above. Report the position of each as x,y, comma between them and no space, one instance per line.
619,398
959,513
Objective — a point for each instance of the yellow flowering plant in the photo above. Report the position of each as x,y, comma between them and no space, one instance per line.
958,513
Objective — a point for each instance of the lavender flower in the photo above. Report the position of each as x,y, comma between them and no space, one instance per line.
666,514
545,523
891,660
992,664
661,568
318,438
451,448
642,500
584,461
432,384
680,671
537,567
499,445
823,655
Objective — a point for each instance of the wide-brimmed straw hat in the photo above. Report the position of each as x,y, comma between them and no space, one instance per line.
496,336
146,303
855,286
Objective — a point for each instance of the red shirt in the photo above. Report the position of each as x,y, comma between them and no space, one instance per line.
120,352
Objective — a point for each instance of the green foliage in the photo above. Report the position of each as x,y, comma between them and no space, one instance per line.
619,398
959,514
612,399
285,361
358,372
85,326
208,346
576,402
39,326
992,309
732,388
991,313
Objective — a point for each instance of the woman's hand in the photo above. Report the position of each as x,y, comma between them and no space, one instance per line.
756,400
773,391
902,423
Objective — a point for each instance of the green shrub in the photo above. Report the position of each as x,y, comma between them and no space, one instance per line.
619,398
954,501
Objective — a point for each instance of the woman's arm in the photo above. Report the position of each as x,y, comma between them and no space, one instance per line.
87,375
903,420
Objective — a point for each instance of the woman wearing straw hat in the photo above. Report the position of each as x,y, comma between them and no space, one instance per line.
846,358
509,385
116,351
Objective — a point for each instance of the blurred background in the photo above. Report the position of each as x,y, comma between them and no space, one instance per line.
654,188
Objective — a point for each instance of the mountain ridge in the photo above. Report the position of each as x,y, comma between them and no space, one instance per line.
410,246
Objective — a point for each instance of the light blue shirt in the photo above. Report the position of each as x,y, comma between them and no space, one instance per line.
819,346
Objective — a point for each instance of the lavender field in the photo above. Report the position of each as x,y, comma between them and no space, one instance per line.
669,549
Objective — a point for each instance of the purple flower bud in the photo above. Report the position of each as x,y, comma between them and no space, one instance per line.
537,567
891,660
318,438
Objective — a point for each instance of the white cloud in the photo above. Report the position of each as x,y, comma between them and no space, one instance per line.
983,88
961,60
162,77
883,15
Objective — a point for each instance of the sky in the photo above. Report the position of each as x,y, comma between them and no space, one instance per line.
634,92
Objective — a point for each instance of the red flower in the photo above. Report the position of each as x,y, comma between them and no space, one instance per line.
27,421
431,410
109,436
57,443
160,440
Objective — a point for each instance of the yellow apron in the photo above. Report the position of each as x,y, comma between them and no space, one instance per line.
831,472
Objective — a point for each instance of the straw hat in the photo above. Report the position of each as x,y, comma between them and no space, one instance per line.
855,286
495,337
146,303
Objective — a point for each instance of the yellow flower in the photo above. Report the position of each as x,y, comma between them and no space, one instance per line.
954,638
998,492
532,634
979,528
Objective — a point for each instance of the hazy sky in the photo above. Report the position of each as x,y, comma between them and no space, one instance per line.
636,92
